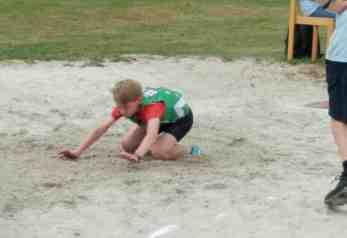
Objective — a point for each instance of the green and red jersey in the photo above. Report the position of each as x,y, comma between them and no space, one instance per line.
162,103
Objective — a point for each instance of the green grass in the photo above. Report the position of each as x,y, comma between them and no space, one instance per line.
95,29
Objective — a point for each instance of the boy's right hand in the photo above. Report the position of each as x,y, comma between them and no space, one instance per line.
68,154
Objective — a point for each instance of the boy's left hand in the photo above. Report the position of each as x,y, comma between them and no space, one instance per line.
68,154
129,157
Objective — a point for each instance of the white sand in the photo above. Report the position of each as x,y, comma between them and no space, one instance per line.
270,158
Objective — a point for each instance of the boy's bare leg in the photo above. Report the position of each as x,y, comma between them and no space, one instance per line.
167,148
133,138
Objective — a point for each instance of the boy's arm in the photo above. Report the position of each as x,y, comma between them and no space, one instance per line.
91,139
152,132
152,114
151,136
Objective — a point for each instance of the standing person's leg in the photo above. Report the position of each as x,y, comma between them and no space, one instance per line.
339,130
337,89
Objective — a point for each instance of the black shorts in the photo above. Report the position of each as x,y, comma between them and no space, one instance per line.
179,128
337,90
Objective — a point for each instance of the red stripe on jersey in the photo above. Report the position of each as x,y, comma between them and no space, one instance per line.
153,110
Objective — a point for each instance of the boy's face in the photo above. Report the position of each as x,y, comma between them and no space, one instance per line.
130,108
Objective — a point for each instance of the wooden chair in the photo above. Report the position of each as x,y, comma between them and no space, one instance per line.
295,18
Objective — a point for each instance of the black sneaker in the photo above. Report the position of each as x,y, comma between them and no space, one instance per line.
338,196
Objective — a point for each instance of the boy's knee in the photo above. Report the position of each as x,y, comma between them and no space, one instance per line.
125,146
159,154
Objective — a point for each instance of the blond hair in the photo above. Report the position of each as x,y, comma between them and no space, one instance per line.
126,91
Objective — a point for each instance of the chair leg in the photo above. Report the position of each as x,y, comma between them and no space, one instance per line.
291,33
314,44
291,27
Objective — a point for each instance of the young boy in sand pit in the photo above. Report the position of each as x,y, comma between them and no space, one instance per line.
161,117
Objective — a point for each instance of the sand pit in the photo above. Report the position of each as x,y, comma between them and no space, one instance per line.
270,157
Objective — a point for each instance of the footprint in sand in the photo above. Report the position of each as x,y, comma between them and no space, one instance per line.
216,186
